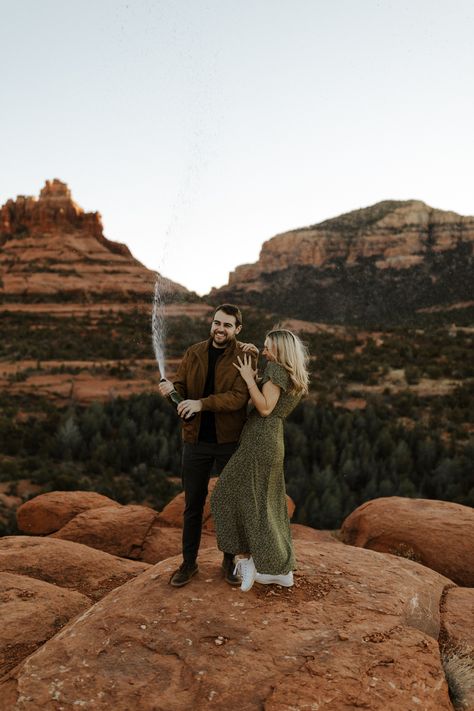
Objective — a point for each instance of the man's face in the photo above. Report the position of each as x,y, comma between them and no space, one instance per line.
223,329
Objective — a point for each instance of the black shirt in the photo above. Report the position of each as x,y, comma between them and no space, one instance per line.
207,430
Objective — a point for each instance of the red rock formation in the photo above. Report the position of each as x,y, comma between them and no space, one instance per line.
379,265
128,531
457,644
396,234
358,629
457,611
69,565
31,612
119,530
306,533
438,534
164,542
49,512
136,532
50,246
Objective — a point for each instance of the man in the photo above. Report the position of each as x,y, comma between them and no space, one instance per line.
216,402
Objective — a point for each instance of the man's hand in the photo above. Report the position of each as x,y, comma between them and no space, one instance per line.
249,348
188,407
165,387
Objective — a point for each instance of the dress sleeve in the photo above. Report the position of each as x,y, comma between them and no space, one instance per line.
277,374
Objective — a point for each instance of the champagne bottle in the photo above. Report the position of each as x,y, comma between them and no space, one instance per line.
176,398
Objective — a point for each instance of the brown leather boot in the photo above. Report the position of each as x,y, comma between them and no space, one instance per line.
183,574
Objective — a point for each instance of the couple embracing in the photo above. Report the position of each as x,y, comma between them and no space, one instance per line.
218,379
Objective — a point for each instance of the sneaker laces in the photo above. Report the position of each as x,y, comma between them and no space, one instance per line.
243,568
238,567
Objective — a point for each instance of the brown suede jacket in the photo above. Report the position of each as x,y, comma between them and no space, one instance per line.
229,401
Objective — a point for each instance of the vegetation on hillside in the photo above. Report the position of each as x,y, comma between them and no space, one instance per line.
359,220
336,459
411,434
126,449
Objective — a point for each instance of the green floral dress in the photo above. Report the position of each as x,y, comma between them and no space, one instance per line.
248,502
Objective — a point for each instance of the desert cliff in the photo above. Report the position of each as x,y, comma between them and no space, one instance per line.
368,265
51,248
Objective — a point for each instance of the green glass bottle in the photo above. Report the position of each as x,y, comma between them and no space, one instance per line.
176,398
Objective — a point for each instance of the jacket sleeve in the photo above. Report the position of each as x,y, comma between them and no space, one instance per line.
231,400
179,380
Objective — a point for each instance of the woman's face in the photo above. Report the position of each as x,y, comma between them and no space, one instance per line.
269,349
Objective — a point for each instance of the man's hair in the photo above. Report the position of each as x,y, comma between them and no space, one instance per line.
231,310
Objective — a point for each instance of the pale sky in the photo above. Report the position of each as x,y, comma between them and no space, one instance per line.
199,129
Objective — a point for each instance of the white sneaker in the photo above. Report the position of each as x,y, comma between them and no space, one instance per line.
285,580
245,567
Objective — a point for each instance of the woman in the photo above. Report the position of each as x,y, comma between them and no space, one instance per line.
248,502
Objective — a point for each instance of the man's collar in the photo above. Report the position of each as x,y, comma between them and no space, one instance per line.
230,347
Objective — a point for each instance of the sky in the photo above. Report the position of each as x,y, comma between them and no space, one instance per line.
199,129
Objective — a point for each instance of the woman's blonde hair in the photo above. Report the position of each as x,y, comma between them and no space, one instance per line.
293,355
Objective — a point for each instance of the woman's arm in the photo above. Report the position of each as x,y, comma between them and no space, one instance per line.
264,400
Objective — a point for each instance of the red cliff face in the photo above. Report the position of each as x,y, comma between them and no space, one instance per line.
50,246
373,265
53,210
397,235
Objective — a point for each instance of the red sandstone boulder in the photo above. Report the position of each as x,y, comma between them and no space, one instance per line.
306,533
164,542
32,611
457,644
49,512
358,629
119,530
128,531
161,543
457,621
437,534
172,514
69,565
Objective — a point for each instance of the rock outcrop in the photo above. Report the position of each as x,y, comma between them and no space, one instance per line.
136,532
119,530
458,621
380,264
51,248
438,534
70,565
31,612
358,629
49,512
457,644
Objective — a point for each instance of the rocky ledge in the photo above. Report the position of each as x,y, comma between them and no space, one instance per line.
360,628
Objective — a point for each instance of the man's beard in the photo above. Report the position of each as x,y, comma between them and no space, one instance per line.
222,342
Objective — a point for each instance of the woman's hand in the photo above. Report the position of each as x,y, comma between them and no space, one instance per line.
245,369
